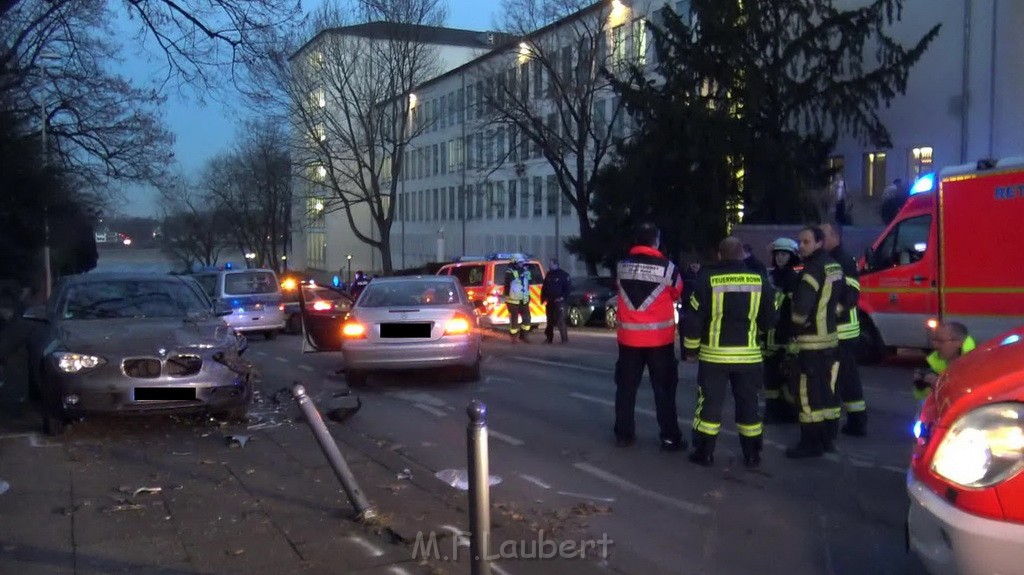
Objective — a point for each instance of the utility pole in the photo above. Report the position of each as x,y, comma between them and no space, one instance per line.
47,271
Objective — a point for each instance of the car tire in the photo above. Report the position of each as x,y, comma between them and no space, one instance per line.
870,347
611,318
356,378
574,317
269,335
294,324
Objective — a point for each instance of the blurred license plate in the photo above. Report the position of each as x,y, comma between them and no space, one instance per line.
165,393
420,330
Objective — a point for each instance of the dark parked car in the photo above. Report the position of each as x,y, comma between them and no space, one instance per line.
587,300
320,300
124,343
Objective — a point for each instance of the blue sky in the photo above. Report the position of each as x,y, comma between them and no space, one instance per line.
203,130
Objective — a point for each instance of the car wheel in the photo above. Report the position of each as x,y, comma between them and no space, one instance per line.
294,324
870,347
270,334
355,378
575,317
611,318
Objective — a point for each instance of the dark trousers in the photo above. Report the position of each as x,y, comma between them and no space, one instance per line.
815,391
849,390
774,375
664,373
713,381
518,318
556,318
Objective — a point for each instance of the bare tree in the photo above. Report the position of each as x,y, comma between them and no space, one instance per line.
252,188
351,93
552,91
193,231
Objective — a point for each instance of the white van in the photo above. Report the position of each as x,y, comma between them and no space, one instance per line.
254,296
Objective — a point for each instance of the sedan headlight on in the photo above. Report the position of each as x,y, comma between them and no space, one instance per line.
984,447
76,363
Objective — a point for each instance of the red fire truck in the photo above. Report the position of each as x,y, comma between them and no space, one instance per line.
953,253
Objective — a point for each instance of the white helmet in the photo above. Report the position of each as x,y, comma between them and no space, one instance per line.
786,245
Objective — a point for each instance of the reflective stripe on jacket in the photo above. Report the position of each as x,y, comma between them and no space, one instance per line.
728,309
517,285
816,301
848,323
648,285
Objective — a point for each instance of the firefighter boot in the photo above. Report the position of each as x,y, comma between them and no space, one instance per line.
751,451
703,449
829,434
856,424
810,444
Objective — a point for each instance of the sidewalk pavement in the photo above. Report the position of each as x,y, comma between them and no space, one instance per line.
169,496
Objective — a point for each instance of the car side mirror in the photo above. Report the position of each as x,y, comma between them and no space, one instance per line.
36,313
222,308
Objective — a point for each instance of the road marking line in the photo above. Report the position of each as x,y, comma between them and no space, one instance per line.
506,438
373,549
497,569
631,487
260,352
535,481
281,359
600,370
585,496
894,469
398,571
430,409
491,378
305,367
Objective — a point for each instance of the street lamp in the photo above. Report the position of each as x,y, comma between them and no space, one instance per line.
349,258
250,259
284,263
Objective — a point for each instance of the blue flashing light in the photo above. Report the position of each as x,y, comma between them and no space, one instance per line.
236,303
335,281
925,183
918,428
229,266
1010,339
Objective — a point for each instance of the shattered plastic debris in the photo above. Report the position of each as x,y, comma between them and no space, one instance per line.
4,486
459,478
146,490
405,474
123,507
237,441
269,424
282,394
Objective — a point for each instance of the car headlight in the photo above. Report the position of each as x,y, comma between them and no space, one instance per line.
75,362
984,447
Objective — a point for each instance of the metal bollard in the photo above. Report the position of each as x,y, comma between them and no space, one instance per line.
479,490
334,457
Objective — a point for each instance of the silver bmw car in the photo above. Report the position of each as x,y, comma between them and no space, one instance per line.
411,322
116,343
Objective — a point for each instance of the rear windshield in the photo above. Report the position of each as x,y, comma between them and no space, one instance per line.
410,293
250,283
470,276
536,276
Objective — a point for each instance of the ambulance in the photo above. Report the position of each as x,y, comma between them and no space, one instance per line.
483,278
953,253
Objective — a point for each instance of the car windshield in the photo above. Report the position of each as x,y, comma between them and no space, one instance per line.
250,283
131,298
410,293
536,276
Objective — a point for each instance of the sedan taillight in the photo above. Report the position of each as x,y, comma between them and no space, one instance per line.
458,325
353,330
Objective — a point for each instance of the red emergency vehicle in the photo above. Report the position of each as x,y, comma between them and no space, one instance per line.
952,253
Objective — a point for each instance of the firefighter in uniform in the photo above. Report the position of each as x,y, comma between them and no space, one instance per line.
517,299
730,306
779,400
849,390
649,285
814,307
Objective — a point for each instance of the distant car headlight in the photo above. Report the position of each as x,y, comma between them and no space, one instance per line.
76,363
984,447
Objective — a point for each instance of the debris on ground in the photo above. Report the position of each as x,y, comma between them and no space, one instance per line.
123,507
237,441
405,474
146,490
459,478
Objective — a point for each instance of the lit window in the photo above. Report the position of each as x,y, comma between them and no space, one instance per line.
920,161
874,173
320,97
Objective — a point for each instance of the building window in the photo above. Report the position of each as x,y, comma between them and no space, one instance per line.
552,202
874,173
501,200
451,202
316,250
462,203
566,204
434,160
524,203
639,42
538,78
600,120
619,47
538,196
480,191
512,198
315,211
684,11
436,202
920,162
836,168
470,152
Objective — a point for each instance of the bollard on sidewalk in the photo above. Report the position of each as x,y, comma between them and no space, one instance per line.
348,481
479,490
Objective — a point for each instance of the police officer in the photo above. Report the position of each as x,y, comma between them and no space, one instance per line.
849,390
517,299
730,305
554,293
358,284
814,313
649,285
783,276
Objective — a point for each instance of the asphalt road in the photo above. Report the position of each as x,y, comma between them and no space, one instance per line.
550,418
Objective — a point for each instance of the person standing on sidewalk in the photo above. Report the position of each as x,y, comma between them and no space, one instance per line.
553,294
517,299
814,307
849,390
649,285
730,306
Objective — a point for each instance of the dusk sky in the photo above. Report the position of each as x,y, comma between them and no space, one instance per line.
204,130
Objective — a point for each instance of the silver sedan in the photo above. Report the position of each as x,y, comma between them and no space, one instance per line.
401,323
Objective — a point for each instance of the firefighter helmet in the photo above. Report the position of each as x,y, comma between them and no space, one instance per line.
786,245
